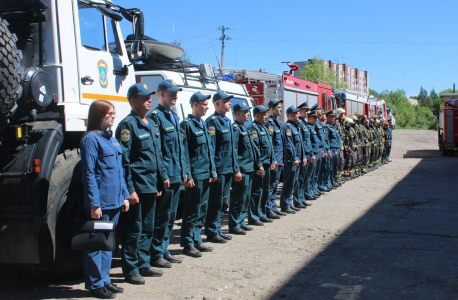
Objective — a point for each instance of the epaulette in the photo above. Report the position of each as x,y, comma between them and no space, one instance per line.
270,119
154,112
213,117
288,124
128,118
186,120
235,125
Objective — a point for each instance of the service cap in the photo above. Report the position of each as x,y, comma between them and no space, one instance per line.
291,110
221,95
273,102
240,106
168,85
198,96
139,89
259,109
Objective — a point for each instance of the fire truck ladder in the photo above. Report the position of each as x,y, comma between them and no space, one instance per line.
251,75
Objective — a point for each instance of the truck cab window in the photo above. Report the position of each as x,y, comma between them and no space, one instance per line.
92,31
112,35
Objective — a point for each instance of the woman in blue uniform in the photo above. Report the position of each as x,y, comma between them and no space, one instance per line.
105,191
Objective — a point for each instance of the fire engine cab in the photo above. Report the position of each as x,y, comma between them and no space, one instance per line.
448,124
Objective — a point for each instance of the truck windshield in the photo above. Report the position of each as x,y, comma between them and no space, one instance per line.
239,100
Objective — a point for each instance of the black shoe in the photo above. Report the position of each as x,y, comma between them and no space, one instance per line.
225,236
114,288
161,263
238,231
203,248
288,210
246,228
173,259
191,251
317,194
266,220
216,239
295,208
279,213
310,198
135,279
329,189
307,204
273,216
256,223
322,190
151,273
102,293
299,205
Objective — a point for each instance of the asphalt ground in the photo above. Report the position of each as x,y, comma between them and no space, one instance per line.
391,234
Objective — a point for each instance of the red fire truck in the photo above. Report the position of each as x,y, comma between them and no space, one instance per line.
264,87
448,124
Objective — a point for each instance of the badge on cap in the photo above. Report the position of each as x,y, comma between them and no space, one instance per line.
145,86
173,82
125,135
254,134
211,130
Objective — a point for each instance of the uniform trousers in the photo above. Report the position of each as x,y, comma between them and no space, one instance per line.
319,158
240,200
97,263
217,203
194,212
311,172
273,187
259,195
324,167
166,213
137,235
291,173
299,190
335,166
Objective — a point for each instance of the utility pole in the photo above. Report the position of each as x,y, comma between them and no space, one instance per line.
222,39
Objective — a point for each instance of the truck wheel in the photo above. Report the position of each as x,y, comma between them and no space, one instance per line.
65,202
10,71
443,150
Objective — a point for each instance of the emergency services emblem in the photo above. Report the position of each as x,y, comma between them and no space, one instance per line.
211,130
173,82
125,135
254,134
102,66
271,129
288,132
145,86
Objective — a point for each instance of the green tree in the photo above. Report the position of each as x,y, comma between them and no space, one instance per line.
373,93
185,57
404,111
424,99
315,69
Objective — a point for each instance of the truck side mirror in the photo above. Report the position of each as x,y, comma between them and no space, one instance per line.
139,25
109,13
137,50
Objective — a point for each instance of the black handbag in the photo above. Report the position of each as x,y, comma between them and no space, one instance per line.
94,235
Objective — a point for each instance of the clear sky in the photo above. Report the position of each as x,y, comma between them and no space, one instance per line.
403,44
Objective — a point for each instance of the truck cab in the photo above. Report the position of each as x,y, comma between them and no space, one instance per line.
448,124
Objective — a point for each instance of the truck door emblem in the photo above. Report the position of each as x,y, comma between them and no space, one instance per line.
102,66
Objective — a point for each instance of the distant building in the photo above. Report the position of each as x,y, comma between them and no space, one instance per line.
413,101
357,81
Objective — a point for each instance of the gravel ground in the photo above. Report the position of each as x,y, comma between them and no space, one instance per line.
390,234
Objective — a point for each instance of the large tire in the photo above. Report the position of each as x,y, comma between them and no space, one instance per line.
10,71
65,202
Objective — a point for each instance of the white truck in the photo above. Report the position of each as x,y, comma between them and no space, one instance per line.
56,58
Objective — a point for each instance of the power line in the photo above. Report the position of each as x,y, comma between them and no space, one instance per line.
420,67
347,42
340,31
202,50
199,35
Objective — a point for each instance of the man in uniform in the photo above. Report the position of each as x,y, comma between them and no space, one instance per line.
260,189
348,147
144,171
316,150
200,172
274,126
249,162
172,152
293,158
227,166
323,160
300,190
388,140
324,185
340,113
334,146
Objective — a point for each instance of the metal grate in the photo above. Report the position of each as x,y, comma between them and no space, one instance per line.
449,126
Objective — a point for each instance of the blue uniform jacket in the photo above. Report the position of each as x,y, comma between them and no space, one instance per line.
144,169
319,127
390,135
334,137
274,127
263,143
306,139
171,144
248,154
198,149
292,143
315,139
222,138
102,173
327,142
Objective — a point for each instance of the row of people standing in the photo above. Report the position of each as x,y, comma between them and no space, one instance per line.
209,157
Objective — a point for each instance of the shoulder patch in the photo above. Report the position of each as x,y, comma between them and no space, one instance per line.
254,134
211,130
125,135
271,129
288,132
